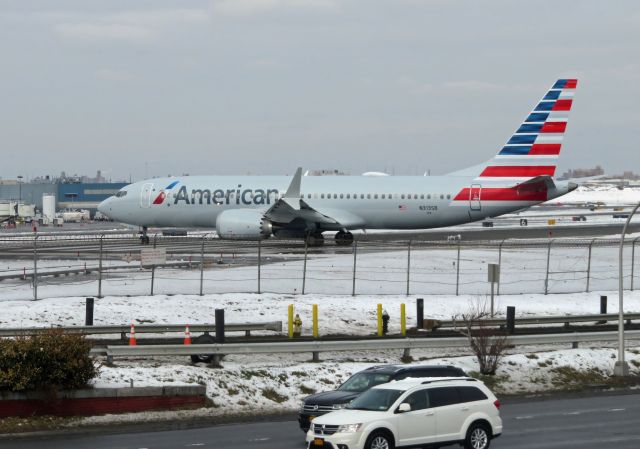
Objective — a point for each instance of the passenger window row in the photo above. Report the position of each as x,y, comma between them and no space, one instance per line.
375,196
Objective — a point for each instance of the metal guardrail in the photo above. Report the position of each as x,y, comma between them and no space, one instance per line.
275,326
349,345
567,319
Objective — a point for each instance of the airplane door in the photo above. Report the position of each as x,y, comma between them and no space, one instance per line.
145,195
474,196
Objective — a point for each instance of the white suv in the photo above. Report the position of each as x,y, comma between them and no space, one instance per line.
412,412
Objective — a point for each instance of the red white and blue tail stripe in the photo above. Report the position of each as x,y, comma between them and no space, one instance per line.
534,148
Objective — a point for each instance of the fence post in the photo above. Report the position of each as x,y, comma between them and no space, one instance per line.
633,259
100,267
355,253
153,267
546,278
589,265
259,262
499,265
88,316
304,266
35,267
458,270
202,265
408,265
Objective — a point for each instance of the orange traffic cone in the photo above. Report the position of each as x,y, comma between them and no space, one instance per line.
132,336
187,336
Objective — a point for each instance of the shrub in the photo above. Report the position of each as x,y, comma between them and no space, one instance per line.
51,360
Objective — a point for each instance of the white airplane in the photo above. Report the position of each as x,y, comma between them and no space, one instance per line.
256,207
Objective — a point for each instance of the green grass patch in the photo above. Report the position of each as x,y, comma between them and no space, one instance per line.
273,395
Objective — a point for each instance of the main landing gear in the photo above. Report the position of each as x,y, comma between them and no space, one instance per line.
344,238
315,239
144,238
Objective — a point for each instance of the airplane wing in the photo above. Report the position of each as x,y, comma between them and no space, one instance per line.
291,207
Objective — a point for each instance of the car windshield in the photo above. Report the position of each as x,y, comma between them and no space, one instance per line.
376,399
363,381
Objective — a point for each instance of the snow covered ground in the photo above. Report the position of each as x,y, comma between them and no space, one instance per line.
433,271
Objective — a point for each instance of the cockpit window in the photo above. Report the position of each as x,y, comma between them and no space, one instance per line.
121,193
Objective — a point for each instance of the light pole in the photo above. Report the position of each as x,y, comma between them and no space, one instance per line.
19,188
621,367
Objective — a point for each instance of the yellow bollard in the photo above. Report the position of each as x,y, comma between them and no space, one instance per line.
403,320
315,321
379,320
290,326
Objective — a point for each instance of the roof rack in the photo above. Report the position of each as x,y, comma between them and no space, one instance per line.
466,379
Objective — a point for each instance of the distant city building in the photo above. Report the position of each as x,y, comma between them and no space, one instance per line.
325,173
582,172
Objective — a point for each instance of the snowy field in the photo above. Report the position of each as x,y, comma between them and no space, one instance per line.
431,272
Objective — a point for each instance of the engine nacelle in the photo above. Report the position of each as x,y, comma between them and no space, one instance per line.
243,224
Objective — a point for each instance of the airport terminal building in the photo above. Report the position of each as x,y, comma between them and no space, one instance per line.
69,193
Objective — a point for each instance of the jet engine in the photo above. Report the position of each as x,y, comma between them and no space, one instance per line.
243,224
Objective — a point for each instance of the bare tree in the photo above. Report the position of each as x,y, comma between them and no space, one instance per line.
488,344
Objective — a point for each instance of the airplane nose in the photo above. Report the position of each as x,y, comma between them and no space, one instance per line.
103,207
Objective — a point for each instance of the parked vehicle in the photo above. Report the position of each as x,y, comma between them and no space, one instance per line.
320,403
412,413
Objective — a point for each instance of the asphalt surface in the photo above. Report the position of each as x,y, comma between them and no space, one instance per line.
594,422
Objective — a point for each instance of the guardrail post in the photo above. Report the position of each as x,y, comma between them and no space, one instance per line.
403,320
88,316
259,262
220,326
202,265
408,265
499,265
315,321
511,320
546,278
35,267
379,320
153,267
355,255
420,313
100,267
589,265
304,266
290,320
458,270
603,308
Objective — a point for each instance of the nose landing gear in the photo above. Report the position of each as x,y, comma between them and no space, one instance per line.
144,238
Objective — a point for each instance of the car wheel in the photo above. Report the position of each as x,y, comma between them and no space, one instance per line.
478,437
379,440
203,340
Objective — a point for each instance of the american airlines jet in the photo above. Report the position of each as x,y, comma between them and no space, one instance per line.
256,207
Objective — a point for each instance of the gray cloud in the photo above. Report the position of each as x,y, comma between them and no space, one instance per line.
236,86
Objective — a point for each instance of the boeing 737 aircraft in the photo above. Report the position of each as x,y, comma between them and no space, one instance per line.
255,207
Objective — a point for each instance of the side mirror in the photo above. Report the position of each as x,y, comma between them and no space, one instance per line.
404,407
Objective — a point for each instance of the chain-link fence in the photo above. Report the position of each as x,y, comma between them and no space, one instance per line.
100,265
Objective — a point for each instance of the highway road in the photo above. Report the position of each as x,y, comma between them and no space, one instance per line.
595,422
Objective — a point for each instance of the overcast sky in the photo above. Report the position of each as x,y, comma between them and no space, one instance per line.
163,87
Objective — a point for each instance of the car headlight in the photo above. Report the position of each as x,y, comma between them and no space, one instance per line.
349,428
338,406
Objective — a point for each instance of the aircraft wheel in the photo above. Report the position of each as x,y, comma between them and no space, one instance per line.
344,238
316,239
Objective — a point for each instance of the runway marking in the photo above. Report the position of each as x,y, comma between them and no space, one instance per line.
253,440
617,410
524,417
572,413
196,444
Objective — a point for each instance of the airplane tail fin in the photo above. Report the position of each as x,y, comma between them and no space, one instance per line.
534,148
